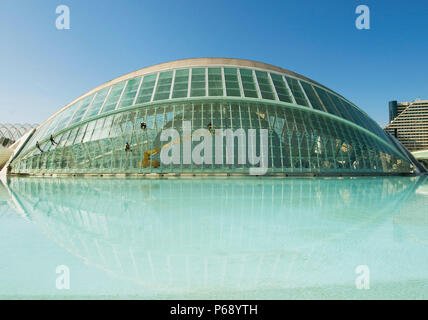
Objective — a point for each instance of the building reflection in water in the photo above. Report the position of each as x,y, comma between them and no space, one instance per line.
188,235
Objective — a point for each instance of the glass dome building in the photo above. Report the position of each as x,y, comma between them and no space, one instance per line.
117,127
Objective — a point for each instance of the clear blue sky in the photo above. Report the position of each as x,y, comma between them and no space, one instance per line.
43,69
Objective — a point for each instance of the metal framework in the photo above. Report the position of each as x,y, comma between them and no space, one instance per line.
9,133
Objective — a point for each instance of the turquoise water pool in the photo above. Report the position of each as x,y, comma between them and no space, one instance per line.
237,238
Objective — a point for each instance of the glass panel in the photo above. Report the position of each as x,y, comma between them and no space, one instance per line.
248,83
312,96
81,134
98,128
355,118
129,93
232,84
215,83
36,136
146,89
67,115
86,102
339,106
368,123
297,92
264,85
113,97
72,136
328,104
198,83
97,103
53,125
281,89
357,115
164,86
89,131
181,83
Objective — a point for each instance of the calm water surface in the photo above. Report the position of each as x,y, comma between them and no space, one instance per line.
209,238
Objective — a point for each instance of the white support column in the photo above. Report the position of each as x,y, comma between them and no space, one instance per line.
241,87
206,82
289,90
322,103
259,93
155,87
138,90
273,87
223,81
172,84
304,93
189,83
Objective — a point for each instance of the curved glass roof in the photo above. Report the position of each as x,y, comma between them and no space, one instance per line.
207,78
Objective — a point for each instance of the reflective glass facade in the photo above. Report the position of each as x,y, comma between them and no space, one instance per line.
311,129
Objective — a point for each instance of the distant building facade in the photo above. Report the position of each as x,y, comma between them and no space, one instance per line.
408,122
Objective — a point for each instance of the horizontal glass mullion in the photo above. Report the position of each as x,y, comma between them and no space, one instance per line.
264,85
281,89
233,92
248,83
198,84
197,92
232,82
163,86
181,84
147,88
179,94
